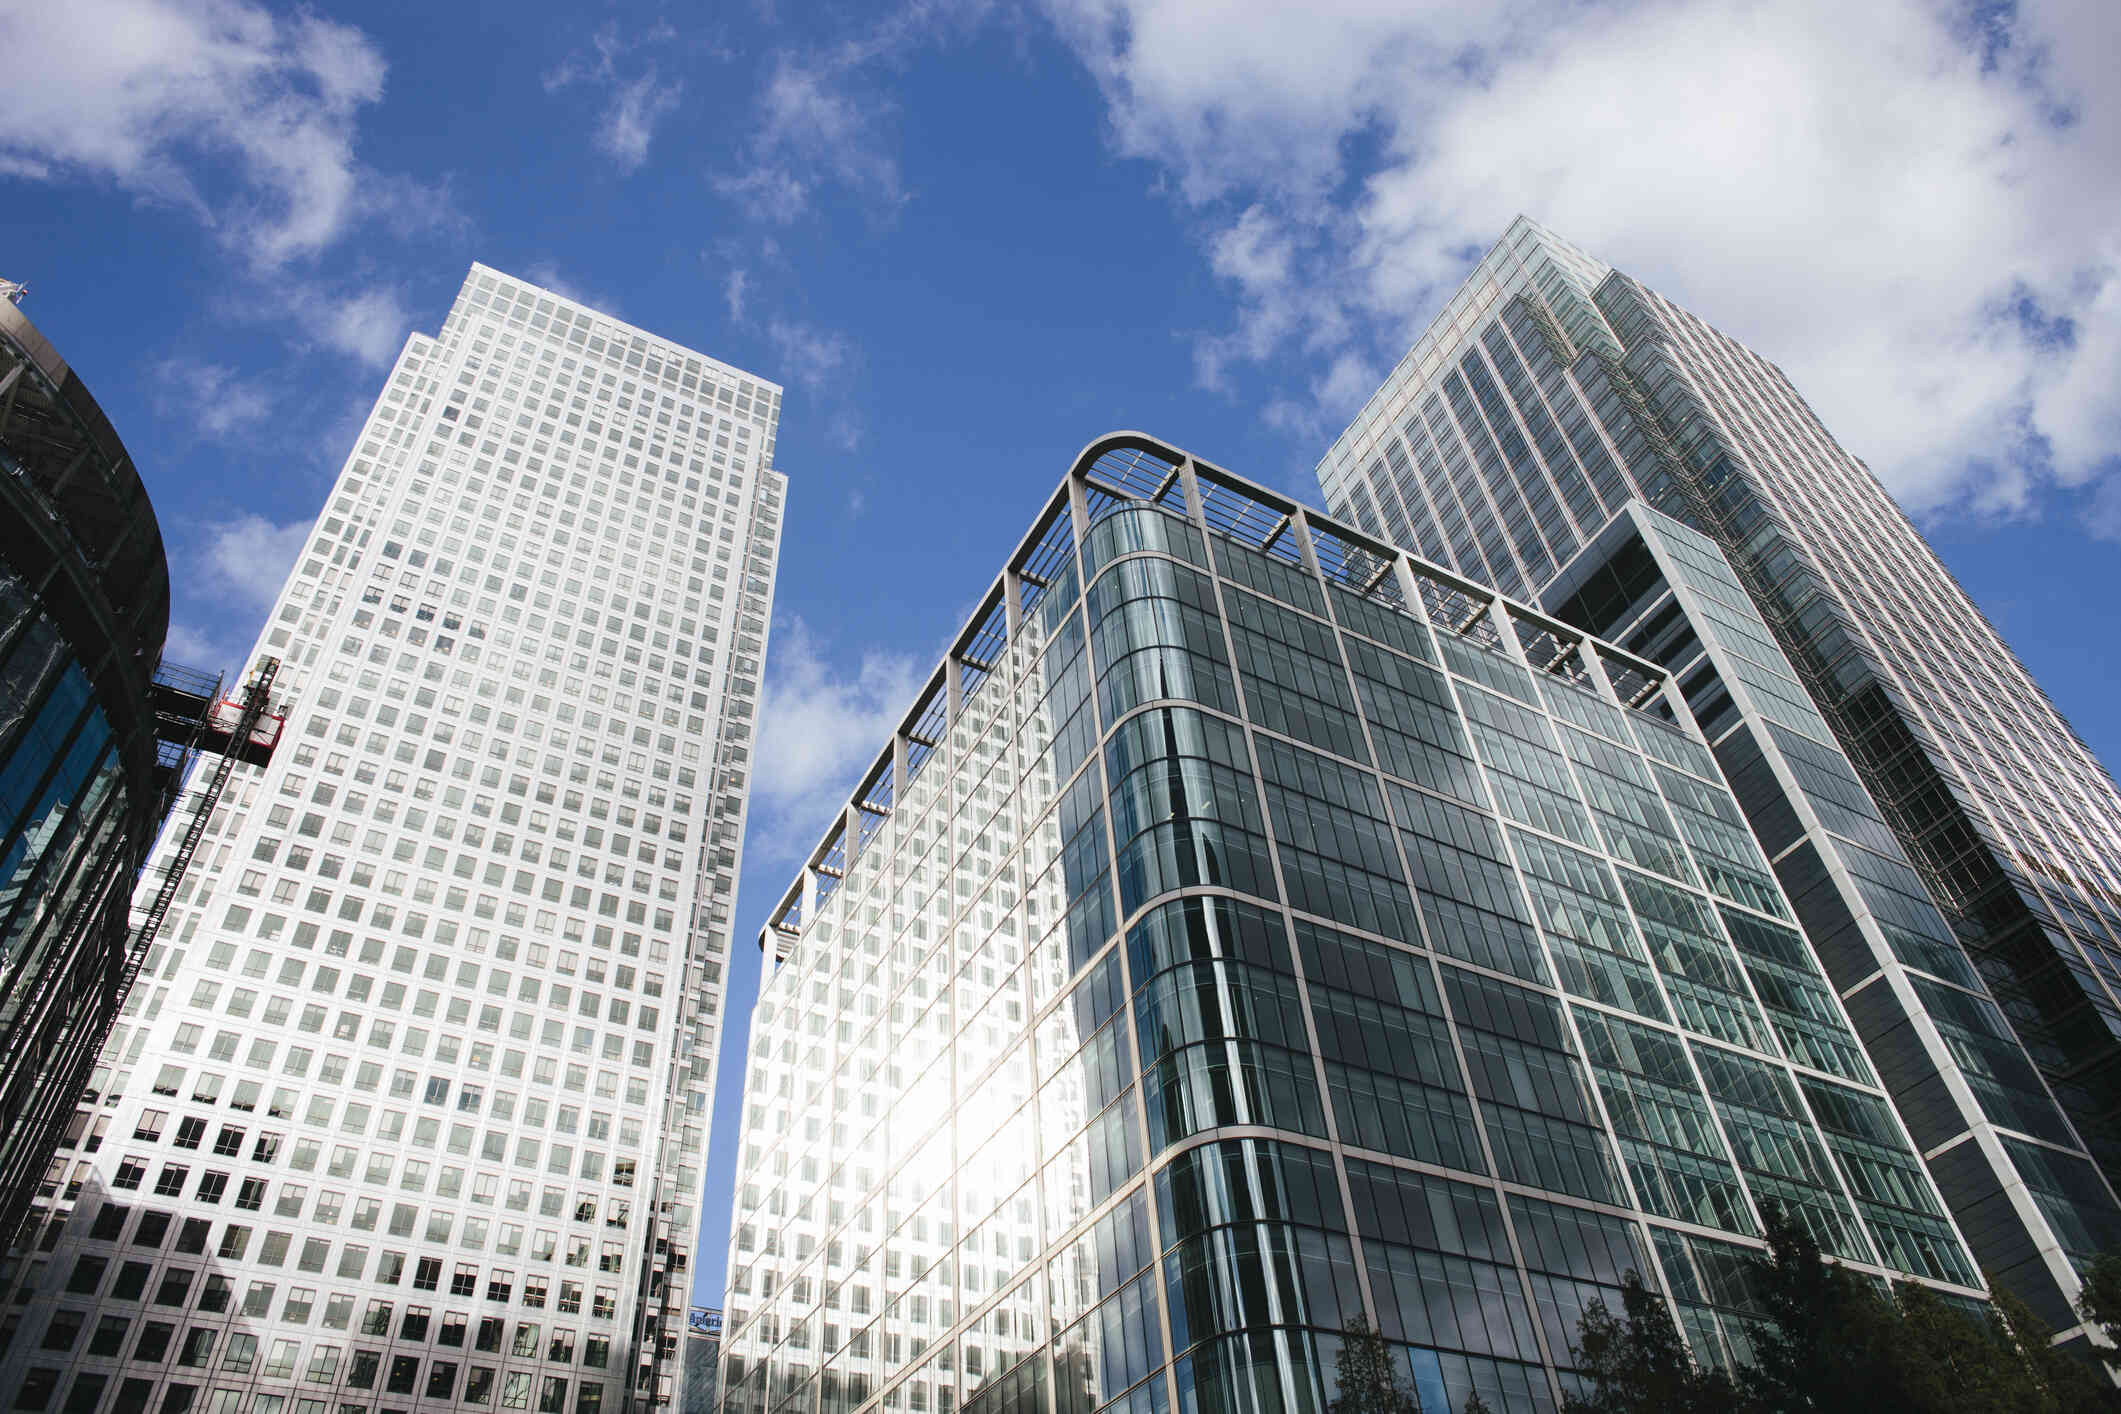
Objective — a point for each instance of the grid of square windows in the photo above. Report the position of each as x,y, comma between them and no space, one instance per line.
440,999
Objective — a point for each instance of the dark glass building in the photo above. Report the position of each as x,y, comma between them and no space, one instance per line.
701,1390
1953,848
1251,927
84,782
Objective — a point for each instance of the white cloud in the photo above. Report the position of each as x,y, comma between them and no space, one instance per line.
364,319
766,191
822,362
634,106
1315,415
637,106
845,429
823,115
369,325
217,401
818,123
1911,210
332,436
221,107
821,727
808,354
250,556
192,647
734,289
547,273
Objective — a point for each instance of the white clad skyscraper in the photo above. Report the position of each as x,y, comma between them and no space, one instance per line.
408,1107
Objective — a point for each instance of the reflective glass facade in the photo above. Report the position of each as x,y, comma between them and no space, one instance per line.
1955,848
84,606
1251,927
408,1104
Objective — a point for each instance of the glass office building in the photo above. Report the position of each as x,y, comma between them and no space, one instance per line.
408,1106
84,606
1955,849
701,1393
1248,928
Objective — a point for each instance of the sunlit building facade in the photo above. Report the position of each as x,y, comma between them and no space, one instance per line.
1251,927
1954,849
408,1108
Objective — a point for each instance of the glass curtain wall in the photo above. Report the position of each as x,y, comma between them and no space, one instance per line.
1550,393
1250,928
84,606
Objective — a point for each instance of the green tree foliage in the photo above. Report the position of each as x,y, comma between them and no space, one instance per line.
1367,1371
2101,1303
1637,1361
1823,1329
1828,1339
2061,1380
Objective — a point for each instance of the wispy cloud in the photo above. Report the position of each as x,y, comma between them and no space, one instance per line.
1911,212
820,361
194,648
809,354
368,323
332,428
823,722
1316,413
239,566
218,402
250,556
819,118
637,106
242,116
636,103
823,115
767,191
547,273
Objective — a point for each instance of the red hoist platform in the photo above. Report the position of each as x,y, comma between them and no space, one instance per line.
232,729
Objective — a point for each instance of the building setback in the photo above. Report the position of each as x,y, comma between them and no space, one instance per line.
1250,928
1954,848
408,1107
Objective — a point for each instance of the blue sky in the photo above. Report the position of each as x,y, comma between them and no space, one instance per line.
969,236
